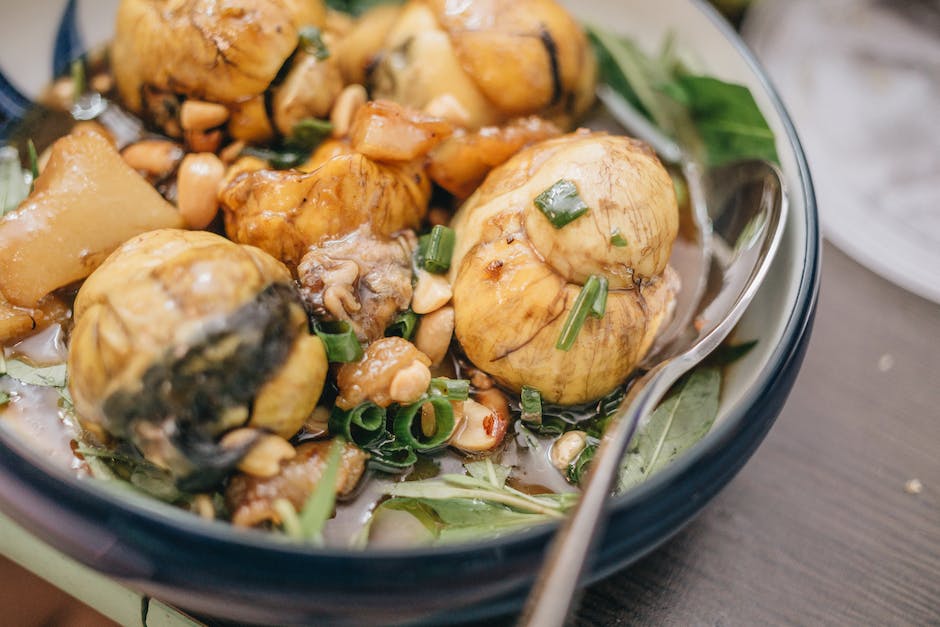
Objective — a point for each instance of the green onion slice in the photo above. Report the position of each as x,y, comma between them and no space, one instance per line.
579,313
391,456
436,249
311,41
403,325
561,203
319,505
342,345
363,425
309,133
599,306
452,389
407,425
531,401
617,239
79,82
33,163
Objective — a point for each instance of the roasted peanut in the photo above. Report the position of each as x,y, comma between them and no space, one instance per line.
479,429
344,109
154,158
567,448
196,115
198,187
410,383
434,334
432,291
266,454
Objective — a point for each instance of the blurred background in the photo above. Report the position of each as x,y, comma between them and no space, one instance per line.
861,79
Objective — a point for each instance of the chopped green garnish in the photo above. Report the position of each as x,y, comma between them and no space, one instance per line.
561,203
617,239
342,345
319,505
403,325
579,312
33,164
309,133
409,416
452,389
290,522
79,82
311,41
531,401
4,398
600,303
436,249
363,425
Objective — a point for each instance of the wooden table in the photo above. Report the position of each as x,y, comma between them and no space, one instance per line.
818,528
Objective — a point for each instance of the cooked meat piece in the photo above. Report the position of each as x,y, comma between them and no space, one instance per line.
460,163
251,499
373,378
358,278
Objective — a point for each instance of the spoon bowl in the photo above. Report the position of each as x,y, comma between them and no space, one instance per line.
739,212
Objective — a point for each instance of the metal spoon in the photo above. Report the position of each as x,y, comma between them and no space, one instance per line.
739,212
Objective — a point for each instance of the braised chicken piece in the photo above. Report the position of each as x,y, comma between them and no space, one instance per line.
251,499
358,278
218,58
484,62
392,370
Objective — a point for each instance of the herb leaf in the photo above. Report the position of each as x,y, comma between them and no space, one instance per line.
48,376
4,398
680,421
319,505
561,203
718,122
617,239
728,120
14,181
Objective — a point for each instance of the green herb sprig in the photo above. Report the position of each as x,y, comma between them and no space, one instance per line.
561,203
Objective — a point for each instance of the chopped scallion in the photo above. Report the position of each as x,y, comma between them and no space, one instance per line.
341,344
311,41
391,456
363,425
531,401
452,389
617,239
79,82
319,505
403,325
405,423
600,303
583,305
436,249
561,203
290,522
309,133
33,163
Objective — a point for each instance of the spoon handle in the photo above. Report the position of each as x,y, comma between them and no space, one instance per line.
551,598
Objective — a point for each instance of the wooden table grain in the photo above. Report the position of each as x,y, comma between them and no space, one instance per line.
818,528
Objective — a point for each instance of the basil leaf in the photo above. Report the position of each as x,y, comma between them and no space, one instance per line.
48,376
728,120
718,122
680,421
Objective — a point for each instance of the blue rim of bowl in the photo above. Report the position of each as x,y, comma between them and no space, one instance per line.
166,521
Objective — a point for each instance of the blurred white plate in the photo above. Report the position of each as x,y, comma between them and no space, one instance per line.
861,79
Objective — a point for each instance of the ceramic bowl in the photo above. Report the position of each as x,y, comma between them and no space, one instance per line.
213,569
